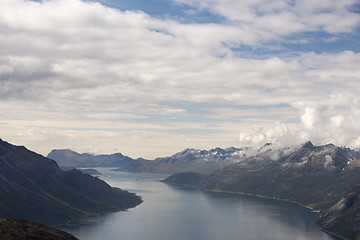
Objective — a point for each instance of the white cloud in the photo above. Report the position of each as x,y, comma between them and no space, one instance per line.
279,136
271,19
112,56
335,120
68,64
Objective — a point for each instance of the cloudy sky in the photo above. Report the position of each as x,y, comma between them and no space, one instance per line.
149,78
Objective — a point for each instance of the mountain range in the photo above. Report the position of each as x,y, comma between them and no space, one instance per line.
197,160
325,178
71,159
34,188
186,160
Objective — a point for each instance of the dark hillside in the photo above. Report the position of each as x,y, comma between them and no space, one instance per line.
14,229
35,188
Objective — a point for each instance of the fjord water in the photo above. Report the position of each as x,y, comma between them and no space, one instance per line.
179,213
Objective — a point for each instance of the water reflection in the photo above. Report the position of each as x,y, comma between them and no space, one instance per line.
180,213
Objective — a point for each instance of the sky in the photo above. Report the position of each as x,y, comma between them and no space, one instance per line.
149,78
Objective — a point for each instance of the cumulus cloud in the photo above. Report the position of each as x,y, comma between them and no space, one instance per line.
74,51
335,120
279,136
273,19
70,65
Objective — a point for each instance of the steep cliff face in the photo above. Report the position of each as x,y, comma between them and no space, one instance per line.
322,177
344,217
14,229
35,188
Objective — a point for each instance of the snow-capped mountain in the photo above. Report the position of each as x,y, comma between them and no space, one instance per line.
215,155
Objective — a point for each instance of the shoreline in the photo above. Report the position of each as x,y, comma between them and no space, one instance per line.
263,197
69,222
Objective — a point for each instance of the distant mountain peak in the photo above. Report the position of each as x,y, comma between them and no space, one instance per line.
214,155
308,144
265,147
70,158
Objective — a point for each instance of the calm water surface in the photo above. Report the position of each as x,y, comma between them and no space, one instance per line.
178,213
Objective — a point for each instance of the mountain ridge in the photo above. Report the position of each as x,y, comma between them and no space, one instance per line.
189,159
70,158
36,189
319,177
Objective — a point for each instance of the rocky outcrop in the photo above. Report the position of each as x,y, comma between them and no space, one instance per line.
344,217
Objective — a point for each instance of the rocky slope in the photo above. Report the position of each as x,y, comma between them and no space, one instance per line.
215,155
189,160
344,217
34,188
69,158
324,178
14,229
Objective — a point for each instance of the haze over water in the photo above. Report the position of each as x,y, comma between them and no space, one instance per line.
180,213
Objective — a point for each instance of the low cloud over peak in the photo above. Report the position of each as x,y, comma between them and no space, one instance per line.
335,120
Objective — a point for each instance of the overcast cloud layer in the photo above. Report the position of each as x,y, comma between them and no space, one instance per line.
92,78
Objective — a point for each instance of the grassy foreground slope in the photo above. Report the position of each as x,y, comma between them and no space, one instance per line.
14,229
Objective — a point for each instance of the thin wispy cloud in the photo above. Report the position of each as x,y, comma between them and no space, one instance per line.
96,75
